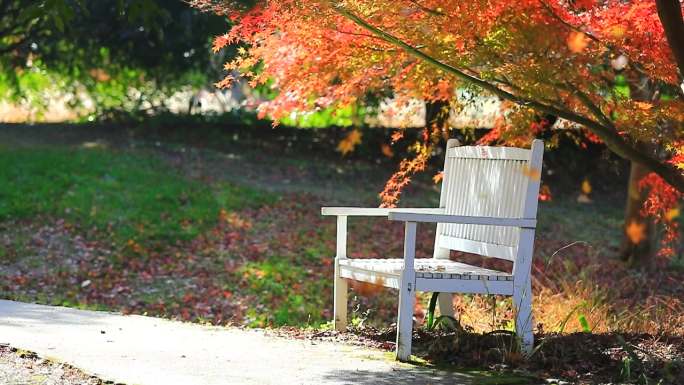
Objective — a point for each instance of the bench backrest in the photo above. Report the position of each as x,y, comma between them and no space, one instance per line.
491,182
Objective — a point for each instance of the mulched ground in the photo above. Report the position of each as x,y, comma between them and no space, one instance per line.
19,367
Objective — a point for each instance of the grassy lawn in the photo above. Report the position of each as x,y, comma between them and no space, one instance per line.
132,196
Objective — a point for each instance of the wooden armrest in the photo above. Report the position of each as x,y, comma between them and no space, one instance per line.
460,219
375,212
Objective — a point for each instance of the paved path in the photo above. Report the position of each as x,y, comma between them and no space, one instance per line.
149,351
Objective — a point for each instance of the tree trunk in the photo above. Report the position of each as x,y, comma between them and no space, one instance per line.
672,20
641,254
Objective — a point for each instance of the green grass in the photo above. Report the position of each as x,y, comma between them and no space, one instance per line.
599,222
132,196
287,292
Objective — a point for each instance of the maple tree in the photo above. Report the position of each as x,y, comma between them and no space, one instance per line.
612,67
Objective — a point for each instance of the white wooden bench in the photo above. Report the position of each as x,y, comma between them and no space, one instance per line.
488,206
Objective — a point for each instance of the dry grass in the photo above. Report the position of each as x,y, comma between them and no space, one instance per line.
561,300
583,290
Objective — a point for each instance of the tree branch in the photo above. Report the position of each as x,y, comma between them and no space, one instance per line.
589,104
610,137
565,23
355,34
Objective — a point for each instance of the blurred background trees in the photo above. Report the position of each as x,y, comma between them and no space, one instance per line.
113,55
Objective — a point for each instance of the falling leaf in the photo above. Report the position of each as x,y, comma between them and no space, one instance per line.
99,75
577,42
438,177
636,232
386,150
586,187
545,193
368,289
532,173
672,214
348,144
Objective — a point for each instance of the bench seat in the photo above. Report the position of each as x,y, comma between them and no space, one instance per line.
425,268
430,273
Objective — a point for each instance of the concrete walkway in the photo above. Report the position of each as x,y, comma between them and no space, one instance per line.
149,351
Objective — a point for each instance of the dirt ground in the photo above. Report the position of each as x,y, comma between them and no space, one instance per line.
18,367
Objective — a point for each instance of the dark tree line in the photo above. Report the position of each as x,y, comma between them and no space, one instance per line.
163,41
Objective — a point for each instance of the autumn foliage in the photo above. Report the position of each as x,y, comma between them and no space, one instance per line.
606,66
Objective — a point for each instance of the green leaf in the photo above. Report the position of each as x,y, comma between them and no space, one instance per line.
59,23
622,91
431,311
584,323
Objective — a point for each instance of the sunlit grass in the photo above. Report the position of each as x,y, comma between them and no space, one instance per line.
283,293
132,196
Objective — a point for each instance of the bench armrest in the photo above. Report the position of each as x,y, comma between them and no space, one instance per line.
460,219
375,212
343,212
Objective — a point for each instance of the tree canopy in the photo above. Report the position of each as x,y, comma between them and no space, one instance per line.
612,67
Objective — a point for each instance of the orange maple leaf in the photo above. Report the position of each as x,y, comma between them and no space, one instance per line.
386,150
577,42
532,173
636,232
672,214
586,187
545,193
348,144
438,177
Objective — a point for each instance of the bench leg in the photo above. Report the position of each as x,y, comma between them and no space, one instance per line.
407,295
522,302
340,301
407,300
446,304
